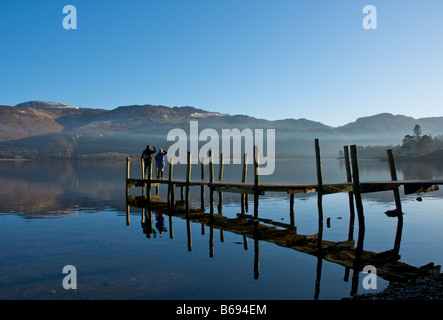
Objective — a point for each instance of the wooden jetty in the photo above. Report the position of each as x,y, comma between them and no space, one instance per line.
256,188
347,253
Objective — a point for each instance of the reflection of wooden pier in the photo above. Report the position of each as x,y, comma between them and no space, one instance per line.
347,253
343,253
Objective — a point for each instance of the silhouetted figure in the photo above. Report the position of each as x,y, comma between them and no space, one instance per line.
147,155
160,158
160,224
147,228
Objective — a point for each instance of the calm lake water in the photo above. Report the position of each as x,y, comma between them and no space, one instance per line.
58,213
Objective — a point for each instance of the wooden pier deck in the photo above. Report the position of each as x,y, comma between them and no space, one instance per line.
352,183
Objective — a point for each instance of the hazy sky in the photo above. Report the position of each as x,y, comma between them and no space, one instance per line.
269,59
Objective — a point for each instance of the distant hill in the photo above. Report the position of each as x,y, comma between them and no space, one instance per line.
37,129
389,125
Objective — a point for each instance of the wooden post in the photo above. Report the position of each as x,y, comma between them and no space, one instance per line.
243,180
202,188
319,184
358,204
170,187
394,178
142,161
188,180
318,165
148,189
128,164
211,181
291,210
220,178
256,180
350,194
398,207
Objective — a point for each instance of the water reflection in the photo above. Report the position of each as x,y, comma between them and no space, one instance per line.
51,189
346,253
58,189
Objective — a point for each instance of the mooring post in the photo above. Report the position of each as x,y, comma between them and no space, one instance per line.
243,180
211,181
220,178
128,164
128,218
188,180
256,180
394,178
318,165
358,202
142,162
148,188
171,186
202,188
350,193
397,202
319,183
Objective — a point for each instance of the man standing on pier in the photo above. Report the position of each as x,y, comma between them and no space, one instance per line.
160,158
147,155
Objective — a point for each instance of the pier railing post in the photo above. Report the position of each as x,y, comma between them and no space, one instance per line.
211,183
256,180
220,178
243,198
350,193
202,188
128,164
171,186
188,181
148,188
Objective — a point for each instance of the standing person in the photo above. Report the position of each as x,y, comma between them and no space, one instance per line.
160,159
147,155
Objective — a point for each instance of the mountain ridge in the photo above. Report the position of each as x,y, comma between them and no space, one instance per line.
39,128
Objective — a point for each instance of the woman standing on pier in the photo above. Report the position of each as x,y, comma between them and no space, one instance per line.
160,158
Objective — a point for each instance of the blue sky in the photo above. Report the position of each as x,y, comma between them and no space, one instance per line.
268,59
